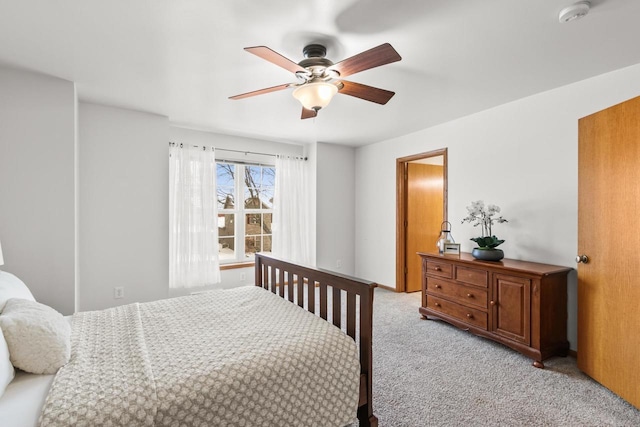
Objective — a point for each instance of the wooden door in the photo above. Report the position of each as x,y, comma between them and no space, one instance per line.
511,303
424,217
609,235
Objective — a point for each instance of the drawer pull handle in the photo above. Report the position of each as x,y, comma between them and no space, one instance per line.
470,316
492,302
437,286
437,269
470,295
437,304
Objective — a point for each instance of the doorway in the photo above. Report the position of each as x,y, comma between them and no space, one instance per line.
421,207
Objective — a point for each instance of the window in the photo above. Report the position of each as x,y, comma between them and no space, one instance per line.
244,227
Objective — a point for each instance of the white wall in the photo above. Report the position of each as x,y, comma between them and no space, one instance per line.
124,206
521,156
335,208
37,172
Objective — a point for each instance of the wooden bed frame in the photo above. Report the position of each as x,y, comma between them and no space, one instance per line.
289,281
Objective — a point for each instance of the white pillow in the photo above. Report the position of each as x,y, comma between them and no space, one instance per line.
38,337
12,287
6,368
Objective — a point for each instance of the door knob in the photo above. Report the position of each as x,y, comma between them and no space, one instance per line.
582,259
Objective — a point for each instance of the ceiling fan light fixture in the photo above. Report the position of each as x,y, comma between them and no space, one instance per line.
315,95
320,79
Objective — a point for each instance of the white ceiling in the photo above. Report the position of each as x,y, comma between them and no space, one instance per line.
184,58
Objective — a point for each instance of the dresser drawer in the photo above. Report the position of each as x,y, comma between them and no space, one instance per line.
468,315
466,295
440,269
472,276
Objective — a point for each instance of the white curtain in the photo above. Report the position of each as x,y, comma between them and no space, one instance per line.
193,217
291,211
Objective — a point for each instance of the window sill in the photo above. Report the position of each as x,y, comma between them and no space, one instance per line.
237,265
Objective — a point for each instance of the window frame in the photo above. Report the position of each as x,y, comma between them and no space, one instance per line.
240,213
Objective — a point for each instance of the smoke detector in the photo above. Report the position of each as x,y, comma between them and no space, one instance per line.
573,12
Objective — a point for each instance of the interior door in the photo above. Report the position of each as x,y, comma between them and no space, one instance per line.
609,235
424,216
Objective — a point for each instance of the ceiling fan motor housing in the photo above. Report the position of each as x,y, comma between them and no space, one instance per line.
314,51
315,61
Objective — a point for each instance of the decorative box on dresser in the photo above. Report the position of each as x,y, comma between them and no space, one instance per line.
520,304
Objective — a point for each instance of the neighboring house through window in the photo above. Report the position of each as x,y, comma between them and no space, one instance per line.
245,210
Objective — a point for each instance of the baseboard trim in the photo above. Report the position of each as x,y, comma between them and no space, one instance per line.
389,288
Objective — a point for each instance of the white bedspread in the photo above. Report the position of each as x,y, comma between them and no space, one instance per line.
240,357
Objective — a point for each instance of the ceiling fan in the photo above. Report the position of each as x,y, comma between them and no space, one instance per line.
319,79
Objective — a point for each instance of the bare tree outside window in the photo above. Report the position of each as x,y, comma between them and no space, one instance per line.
256,191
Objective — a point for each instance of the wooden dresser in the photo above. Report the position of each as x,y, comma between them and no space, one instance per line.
520,304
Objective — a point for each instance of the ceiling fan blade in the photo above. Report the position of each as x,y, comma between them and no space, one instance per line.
307,114
275,58
381,55
261,91
368,93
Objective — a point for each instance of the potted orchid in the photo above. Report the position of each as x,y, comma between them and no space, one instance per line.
485,216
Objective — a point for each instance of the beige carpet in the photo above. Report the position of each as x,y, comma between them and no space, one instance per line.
429,373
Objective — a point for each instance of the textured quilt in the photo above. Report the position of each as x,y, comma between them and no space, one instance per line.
240,357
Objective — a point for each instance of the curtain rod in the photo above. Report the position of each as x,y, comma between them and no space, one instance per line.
244,152
253,152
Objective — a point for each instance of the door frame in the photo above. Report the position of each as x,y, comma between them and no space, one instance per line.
401,208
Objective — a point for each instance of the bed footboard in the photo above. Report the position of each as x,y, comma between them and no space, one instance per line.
353,297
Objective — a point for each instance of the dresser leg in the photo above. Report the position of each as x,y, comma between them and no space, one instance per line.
538,364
